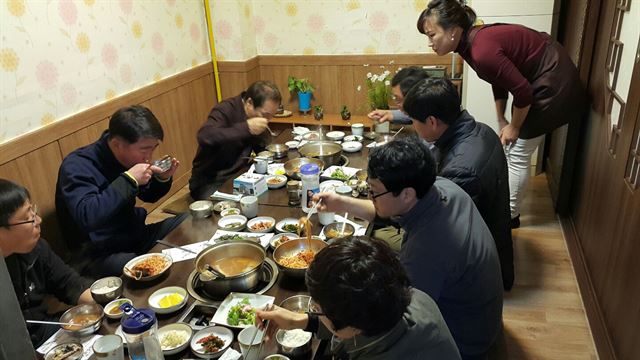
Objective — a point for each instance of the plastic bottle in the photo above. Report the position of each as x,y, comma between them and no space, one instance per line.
140,328
310,175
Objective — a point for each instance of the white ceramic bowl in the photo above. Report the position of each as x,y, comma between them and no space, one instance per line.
351,146
110,308
222,332
261,219
272,184
167,329
335,135
277,239
292,144
232,222
106,289
353,138
286,221
158,295
230,211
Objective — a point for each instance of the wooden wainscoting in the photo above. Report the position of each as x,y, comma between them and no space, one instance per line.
181,103
336,77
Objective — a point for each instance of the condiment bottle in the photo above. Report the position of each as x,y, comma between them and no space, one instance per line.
140,328
310,175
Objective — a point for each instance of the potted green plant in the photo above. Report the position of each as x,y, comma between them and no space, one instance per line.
304,88
345,113
318,113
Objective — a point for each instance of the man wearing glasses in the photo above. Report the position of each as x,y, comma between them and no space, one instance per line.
35,270
234,128
447,249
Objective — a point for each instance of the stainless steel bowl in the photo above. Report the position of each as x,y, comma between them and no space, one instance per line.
292,167
99,289
349,230
293,351
79,311
292,247
296,303
221,287
266,154
201,209
279,150
327,151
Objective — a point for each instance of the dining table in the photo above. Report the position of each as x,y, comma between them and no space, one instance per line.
273,203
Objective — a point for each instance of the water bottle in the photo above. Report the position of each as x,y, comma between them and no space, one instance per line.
310,175
140,328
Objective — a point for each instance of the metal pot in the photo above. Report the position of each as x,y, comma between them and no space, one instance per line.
221,287
327,151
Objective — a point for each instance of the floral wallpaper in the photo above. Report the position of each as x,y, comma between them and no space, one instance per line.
316,27
59,57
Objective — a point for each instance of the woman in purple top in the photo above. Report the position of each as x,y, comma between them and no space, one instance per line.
534,68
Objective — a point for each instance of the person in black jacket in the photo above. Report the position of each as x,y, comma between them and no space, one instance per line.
97,189
35,270
470,155
234,128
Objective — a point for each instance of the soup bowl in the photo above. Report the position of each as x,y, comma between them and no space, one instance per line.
239,260
87,316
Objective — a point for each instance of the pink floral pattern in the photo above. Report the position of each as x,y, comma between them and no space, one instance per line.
378,21
68,93
47,75
270,40
157,43
109,56
315,22
169,60
126,6
68,11
393,37
126,73
171,2
224,30
329,38
195,32
258,24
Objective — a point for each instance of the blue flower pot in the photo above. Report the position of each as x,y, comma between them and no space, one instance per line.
304,101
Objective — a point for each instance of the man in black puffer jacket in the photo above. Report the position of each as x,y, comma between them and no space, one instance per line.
470,155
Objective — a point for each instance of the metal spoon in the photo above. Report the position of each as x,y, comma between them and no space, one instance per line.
397,132
271,131
50,322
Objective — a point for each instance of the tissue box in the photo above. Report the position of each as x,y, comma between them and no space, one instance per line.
250,184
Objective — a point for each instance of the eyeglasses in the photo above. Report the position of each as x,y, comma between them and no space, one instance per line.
373,197
34,211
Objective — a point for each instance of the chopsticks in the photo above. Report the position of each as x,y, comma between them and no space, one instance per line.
49,322
267,307
175,246
207,267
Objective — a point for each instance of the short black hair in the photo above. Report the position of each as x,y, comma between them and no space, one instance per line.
261,91
403,163
407,77
449,13
133,123
12,197
433,97
359,282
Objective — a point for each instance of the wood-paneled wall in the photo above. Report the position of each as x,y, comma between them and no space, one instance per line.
181,103
336,77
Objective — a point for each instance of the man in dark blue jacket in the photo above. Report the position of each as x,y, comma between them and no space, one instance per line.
97,189
470,155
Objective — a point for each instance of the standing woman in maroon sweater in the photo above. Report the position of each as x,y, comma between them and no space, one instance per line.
534,68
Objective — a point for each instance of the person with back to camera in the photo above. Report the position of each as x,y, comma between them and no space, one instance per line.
533,67
361,298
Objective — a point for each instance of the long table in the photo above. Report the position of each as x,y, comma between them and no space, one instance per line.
273,203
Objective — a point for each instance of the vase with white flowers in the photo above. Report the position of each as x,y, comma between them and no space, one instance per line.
379,90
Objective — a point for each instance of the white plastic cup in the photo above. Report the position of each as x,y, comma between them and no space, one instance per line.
261,165
246,346
357,129
382,128
325,217
109,347
249,206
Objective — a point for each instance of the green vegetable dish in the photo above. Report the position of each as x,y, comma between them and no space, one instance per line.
242,313
292,228
238,237
339,174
